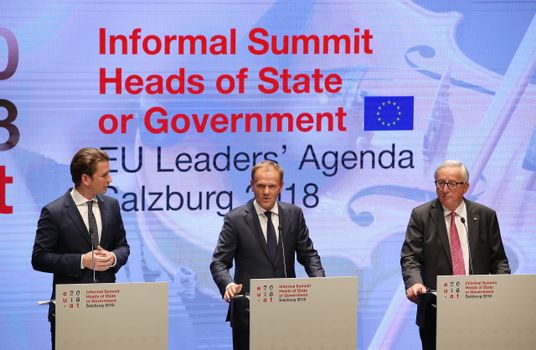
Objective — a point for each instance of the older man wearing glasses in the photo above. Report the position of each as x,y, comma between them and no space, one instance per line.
449,235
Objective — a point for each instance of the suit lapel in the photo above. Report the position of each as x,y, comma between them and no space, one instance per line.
104,217
74,216
439,219
252,220
472,227
284,221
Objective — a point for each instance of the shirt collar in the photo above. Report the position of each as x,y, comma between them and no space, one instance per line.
80,199
260,210
460,210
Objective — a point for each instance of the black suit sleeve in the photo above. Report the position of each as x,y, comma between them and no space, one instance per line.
224,253
412,253
46,255
120,246
306,254
497,256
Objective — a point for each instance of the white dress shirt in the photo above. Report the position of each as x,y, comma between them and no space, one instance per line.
264,219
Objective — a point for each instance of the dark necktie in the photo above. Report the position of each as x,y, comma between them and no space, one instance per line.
458,266
271,239
93,231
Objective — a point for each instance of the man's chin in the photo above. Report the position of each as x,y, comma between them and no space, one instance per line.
266,205
449,204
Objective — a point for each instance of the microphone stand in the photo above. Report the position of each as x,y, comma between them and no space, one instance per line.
93,240
280,229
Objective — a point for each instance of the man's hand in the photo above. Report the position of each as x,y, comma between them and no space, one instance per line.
103,259
231,290
414,291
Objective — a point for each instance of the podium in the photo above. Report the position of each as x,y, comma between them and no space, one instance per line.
112,316
303,313
486,312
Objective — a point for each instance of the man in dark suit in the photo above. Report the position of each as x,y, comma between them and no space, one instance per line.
80,236
449,235
262,237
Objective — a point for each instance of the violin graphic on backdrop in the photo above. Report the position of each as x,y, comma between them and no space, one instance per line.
414,54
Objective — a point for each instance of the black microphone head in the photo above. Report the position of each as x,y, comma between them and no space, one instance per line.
462,219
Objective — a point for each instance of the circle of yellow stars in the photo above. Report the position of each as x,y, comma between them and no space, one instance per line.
388,104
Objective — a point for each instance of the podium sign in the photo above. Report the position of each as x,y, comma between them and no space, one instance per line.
112,316
486,312
303,313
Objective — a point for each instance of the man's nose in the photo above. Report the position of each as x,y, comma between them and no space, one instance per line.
444,188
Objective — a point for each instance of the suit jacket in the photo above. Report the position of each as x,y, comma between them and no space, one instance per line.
62,237
426,251
242,240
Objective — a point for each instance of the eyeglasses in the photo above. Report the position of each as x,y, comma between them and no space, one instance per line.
451,185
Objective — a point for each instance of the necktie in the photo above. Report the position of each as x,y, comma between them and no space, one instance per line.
458,266
271,239
93,231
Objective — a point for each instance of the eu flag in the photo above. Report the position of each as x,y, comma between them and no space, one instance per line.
388,113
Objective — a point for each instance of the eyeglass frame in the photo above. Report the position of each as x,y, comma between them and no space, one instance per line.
450,184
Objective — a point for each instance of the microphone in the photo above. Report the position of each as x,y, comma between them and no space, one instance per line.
462,219
280,229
